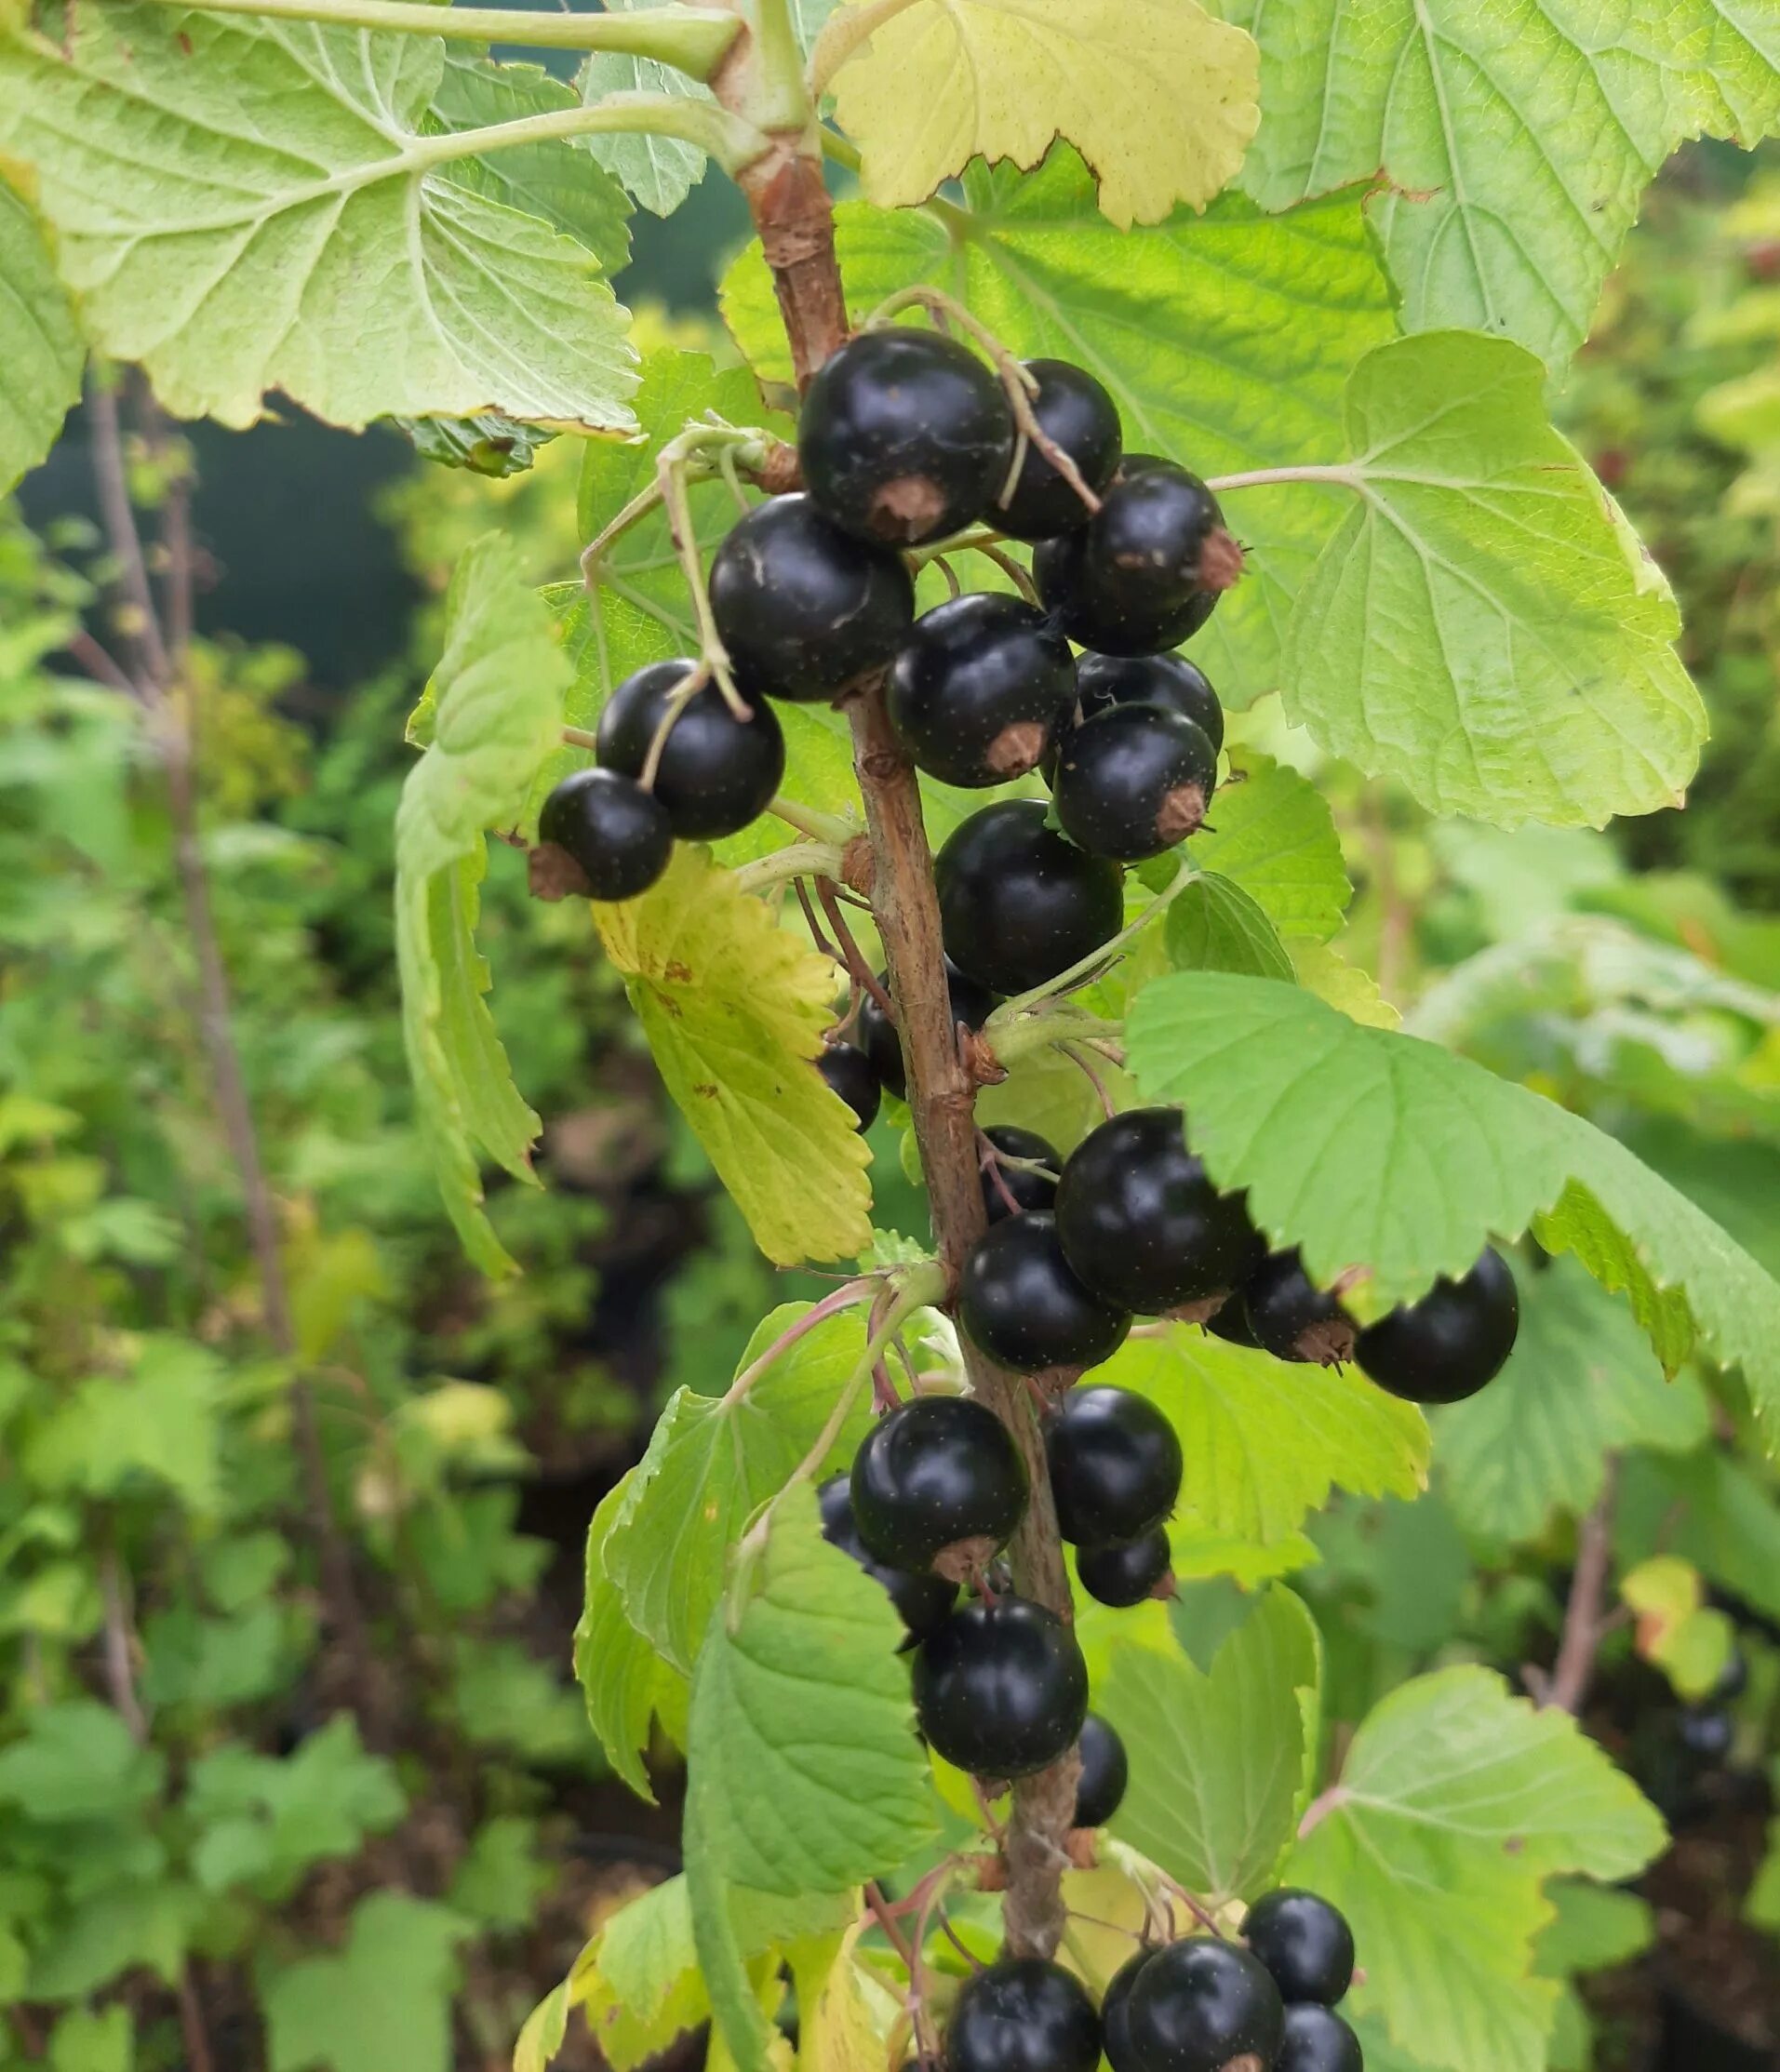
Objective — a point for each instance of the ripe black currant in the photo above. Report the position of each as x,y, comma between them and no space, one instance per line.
1008,1188
937,1473
1077,414
1291,1316
1706,1733
921,1602
904,435
1141,1221
804,608
1133,781
1201,2004
1114,2037
1306,1943
1105,1773
1451,1342
716,772
848,1071
1229,1321
1734,1679
1001,1689
616,831
1114,1464
1020,903
1022,2014
1317,2039
1019,1304
1126,1572
971,1004
978,689
1103,681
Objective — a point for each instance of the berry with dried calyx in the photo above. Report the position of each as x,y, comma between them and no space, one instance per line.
1126,1572
616,831
1203,2005
937,1477
1133,781
1293,1318
979,689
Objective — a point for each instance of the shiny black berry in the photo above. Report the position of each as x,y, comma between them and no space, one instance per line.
978,689
1103,681
1001,1689
616,831
1011,1184
1200,2004
1105,1773
1706,1733
1078,415
1451,1342
848,1071
1018,904
1317,2041
1291,1316
1229,1321
1114,2037
1022,2014
804,608
1306,1943
971,1004
937,1473
904,435
921,1602
1019,1304
716,772
1124,1574
1133,781
1114,1464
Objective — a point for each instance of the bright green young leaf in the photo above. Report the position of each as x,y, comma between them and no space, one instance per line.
384,2001
1456,1803
1485,626
1376,1150
1274,840
712,1462
326,248
1514,141
734,1008
1158,97
76,1762
102,2041
1581,1384
1322,969
1264,1442
1218,1756
1215,925
625,1681
547,2029
161,1423
638,1982
1691,1642
1225,339
40,347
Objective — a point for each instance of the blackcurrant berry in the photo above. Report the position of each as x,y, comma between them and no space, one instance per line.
1114,1465
1133,781
804,608
1127,1573
848,1071
1115,2037
1451,1342
1105,1773
978,688
1103,681
921,1602
904,435
1020,903
1201,2004
616,831
1022,2014
1077,414
1010,1187
1141,1221
1707,1733
1317,2039
1229,1321
1305,1942
1291,1316
716,772
971,1004
1734,1679
1019,1304
937,1474
1001,1689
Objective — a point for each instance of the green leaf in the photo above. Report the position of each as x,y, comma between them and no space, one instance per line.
501,1879
1581,1384
712,1462
1276,841
638,1982
384,2001
125,1926
1225,339
1266,1442
1218,1756
625,1681
1514,141
1710,1510
734,1008
1215,925
1485,626
491,444
40,345
1594,1928
1762,1907
1691,1642
162,1421
93,2043
324,247
657,172
76,1762
1456,1803
1376,1150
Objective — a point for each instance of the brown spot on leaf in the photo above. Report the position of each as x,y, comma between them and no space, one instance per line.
678,973
705,1090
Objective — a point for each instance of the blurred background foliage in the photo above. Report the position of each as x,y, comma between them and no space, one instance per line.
215,1852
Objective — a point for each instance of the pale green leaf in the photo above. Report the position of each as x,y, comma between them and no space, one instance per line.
75,1761
384,2001
1711,1510
40,347
638,1982
102,2041
161,1424
489,444
657,172
626,1682
1275,839
120,1929
545,2030
1595,1928
1215,925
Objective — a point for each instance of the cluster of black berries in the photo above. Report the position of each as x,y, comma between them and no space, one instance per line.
1201,2004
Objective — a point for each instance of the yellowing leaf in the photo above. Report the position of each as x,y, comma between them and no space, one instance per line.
1686,1639
844,2012
734,1008
1158,98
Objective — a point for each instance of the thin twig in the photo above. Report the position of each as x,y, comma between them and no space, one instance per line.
120,1668
851,955
1583,1626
